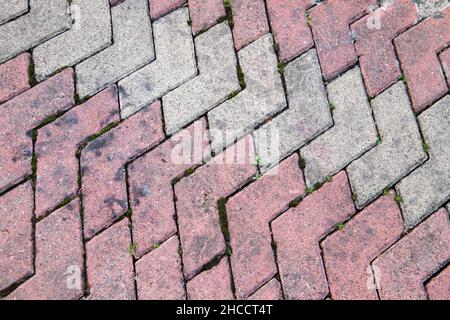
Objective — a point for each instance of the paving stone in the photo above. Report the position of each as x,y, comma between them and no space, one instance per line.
16,235
159,8
428,187
44,21
297,233
330,22
212,284
216,80
399,152
90,33
59,258
205,13
374,35
109,264
307,116
426,8
290,26
132,49
270,291
12,9
249,215
57,143
22,114
348,253
173,47
417,50
14,77
439,287
445,59
412,260
262,97
197,203
150,179
102,166
250,21
159,274
353,132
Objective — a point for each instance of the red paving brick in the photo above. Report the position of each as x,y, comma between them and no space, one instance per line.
445,59
14,77
249,214
298,231
159,8
270,291
348,253
102,166
374,35
57,143
418,50
412,260
205,13
439,287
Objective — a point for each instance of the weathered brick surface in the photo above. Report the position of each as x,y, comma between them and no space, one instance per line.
270,291
205,13
412,260
439,287
14,77
159,8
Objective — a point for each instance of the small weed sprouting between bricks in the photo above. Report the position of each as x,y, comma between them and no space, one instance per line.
340,226
398,198
132,249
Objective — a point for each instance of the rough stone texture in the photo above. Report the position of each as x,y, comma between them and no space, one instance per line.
270,291
297,233
250,21
159,275
212,284
290,26
11,9
132,49
353,132
399,152
417,51
308,114
216,80
90,33
159,8
426,7
262,97
16,238
249,214
197,203
412,260
374,46
439,287
59,258
205,13
348,253
22,114
173,47
14,77
445,59
109,264
44,21
428,187
57,143
102,166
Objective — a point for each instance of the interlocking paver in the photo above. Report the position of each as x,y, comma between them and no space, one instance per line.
439,287
427,8
412,260
445,59
270,291
12,9
205,13
159,8
14,77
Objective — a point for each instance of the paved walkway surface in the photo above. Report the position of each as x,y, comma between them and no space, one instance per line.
237,149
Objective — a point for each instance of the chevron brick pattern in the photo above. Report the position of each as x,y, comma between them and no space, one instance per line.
224,149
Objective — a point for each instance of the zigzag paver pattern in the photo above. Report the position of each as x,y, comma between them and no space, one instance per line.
209,149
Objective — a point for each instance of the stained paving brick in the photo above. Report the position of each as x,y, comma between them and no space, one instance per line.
159,8
205,13
14,77
59,258
270,291
102,165
57,144
374,35
348,253
417,50
159,275
109,264
212,284
197,203
439,287
297,233
16,239
249,215
22,114
412,260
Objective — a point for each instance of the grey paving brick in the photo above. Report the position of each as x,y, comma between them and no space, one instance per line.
428,187
90,33
132,49
353,132
45,20
216,80
426,7
307,116
262,97
174,64
399,152
10,9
